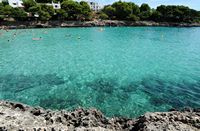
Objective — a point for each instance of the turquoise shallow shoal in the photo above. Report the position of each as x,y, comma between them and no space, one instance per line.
123,71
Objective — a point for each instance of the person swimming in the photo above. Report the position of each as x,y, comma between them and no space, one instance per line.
101,29
68,35
36,39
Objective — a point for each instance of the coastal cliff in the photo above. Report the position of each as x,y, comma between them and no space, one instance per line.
99,23
17,116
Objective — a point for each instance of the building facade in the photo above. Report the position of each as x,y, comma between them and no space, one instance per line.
56,5
94,6
15,3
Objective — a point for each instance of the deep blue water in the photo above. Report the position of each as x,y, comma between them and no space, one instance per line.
123,71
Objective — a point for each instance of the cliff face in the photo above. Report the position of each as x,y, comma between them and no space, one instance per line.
17,116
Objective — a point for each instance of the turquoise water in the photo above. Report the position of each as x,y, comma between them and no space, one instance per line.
122,71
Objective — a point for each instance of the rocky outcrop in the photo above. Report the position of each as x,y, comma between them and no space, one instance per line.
17,116
95,23
169,121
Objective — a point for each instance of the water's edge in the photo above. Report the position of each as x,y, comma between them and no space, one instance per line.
101,23
15,116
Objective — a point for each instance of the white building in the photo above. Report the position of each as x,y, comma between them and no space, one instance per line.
55,5
94,6
15,3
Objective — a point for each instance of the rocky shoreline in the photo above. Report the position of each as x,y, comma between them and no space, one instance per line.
99,23
17,116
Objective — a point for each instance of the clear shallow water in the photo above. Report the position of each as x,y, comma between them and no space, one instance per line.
121,71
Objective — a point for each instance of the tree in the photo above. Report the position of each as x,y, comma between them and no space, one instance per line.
177,14
45,12
133,17
156,15
145,12
145,15
48,9
61,14
1,12
85,10
72,8
34,9
18,14
44,16
28,4
44,1
122,10
103,16
6,11
145,8
109,11
1,6
134,8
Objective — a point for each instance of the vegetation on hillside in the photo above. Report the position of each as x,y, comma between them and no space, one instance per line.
72,10
130,11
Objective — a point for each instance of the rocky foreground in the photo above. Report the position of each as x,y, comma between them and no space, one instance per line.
17,116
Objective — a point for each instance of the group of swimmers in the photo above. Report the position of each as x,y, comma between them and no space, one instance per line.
17,32
45,32
39,38
69,35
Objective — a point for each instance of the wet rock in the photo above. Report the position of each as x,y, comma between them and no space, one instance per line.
197,110
20,106
3,129
37,111
173,109
15,106
187,109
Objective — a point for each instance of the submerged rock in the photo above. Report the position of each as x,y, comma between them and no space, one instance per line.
17,116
